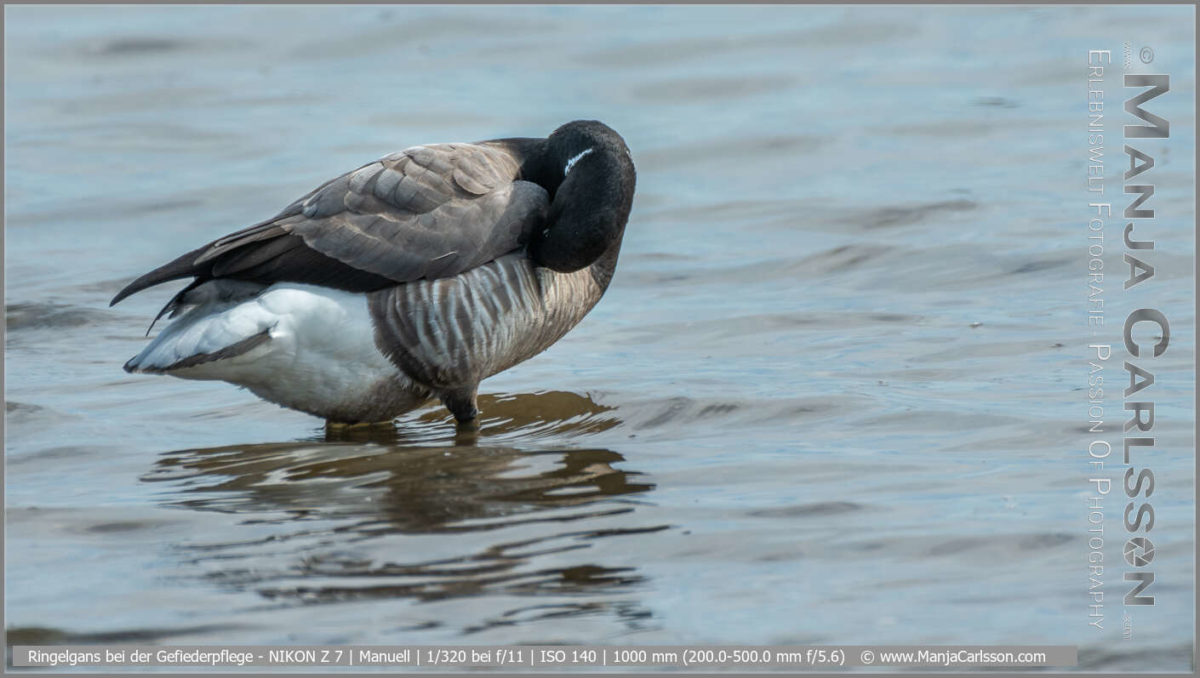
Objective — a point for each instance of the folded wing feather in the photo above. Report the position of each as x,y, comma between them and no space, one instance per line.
427,212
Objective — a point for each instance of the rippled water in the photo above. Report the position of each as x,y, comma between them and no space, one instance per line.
834,395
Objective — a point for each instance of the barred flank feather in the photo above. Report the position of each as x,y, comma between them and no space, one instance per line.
454,332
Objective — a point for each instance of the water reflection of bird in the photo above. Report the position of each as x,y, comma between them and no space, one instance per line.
414,276
357,521
429,480
397,488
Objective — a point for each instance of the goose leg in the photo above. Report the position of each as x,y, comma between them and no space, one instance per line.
461,403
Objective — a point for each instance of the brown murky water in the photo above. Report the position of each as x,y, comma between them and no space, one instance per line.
834,395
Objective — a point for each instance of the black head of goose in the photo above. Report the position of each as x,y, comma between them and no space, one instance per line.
414,276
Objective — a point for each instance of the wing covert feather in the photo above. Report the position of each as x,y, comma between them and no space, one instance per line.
425,212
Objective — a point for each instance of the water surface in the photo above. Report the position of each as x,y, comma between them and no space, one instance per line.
834,394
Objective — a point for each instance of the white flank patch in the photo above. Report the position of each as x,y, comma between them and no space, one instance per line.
572,161
321,352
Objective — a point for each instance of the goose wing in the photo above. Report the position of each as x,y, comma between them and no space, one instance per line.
425,212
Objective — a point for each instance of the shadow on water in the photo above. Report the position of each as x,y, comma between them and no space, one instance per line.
369,514
520,417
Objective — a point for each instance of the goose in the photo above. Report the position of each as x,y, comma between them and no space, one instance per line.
413,277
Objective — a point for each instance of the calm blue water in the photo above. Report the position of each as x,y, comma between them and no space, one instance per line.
834,395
